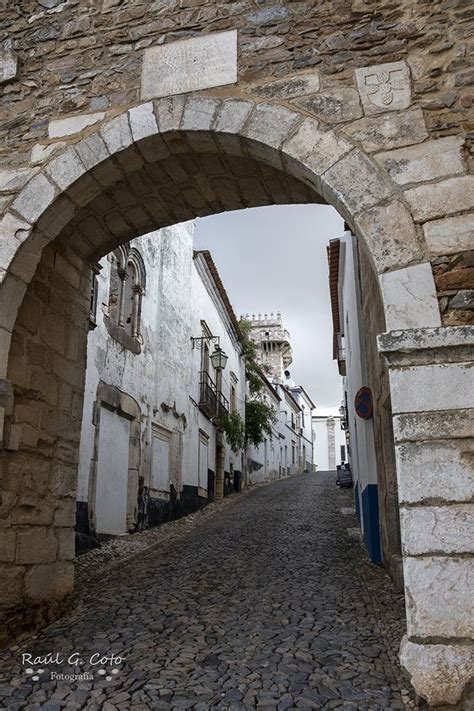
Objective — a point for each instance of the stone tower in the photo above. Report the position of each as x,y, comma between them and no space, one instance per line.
273,341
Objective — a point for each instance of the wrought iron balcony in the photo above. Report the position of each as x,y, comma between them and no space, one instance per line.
223,405
208,397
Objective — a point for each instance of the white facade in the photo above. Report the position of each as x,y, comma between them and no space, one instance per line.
306,432
264,462
330,448
148,450
351,352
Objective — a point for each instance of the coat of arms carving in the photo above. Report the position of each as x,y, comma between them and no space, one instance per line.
385,87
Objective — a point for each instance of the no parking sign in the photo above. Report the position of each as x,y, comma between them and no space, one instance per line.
363,403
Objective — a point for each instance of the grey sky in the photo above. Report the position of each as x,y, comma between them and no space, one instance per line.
274,259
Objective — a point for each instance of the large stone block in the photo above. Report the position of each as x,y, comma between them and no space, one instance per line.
390,235
143,121
66,543
49,582
11,583
433,425
355,183
379,133
7,546
430,161
13,232
437,529
232,115
65,512
435,471
13,179
35,197
409,296
36,545
92,150
289,87
41,151
438,671
65,169
117,134
450,234
12,293
413,390
168,113
438,591
190,65
8,65
334,105
449,196
384,87
73,124
270,125
199,114
311,151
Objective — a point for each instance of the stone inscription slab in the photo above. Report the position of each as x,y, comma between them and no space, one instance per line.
190,65
8,65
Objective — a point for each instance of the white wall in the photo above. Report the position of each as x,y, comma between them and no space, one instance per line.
164,377
362,458
321,444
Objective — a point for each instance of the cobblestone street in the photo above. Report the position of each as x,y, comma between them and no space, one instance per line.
264,602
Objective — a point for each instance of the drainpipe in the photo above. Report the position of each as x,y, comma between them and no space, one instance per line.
220,444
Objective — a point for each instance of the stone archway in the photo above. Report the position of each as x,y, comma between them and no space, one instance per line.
131,175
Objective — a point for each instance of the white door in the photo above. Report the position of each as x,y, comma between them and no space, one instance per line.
203,462
112,473
161,459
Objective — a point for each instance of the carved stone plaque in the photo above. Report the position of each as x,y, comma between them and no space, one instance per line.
384,87
190,65
8,65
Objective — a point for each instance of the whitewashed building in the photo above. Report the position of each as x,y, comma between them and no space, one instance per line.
293,425
330,446
358,314
148,443
265,461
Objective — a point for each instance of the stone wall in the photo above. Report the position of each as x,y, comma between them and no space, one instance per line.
88,54
40,456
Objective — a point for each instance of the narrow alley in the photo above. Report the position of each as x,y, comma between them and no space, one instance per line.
269,602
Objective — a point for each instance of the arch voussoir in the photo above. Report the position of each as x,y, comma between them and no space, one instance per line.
153,132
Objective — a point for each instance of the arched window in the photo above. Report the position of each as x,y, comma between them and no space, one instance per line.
135,291
127,286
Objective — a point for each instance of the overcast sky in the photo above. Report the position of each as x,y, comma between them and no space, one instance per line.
274,259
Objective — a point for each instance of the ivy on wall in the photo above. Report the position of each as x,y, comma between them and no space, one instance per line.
259,415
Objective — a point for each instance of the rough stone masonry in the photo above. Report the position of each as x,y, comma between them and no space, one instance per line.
121,117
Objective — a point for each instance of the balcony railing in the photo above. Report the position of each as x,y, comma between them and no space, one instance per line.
208,397
223,405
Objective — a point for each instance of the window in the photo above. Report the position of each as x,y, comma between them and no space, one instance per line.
293,454
343,453
94,296
127,285
203,460
160,459
233,399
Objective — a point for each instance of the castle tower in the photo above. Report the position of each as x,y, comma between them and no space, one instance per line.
273,341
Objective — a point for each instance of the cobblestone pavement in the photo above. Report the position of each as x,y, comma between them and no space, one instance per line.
266,602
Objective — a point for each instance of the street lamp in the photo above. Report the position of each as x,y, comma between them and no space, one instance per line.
219,359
